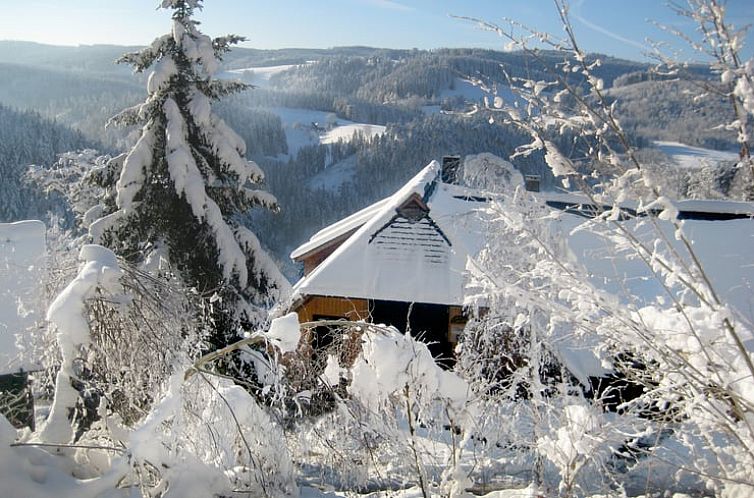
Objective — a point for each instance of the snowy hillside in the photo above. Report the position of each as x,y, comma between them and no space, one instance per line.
474,92
465,91
687,156
309,127
334,175
258,76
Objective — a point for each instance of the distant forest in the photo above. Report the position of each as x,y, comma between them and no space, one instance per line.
66,95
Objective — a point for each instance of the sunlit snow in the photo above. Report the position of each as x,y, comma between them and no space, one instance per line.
687,156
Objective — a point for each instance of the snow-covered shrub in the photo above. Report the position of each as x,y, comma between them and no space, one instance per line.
122,334
394,364
396,373
574,442
68,313
208,436
688,346
71,178
125,406
488,172
392,407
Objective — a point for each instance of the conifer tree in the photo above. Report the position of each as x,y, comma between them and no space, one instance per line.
176,196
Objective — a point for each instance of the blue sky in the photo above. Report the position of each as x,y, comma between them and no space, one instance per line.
615,27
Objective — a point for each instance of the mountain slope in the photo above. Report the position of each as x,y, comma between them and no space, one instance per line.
26,138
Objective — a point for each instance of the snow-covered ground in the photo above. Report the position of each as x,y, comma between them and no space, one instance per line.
258,76
463,88
335,175
22,268
304,127
687,156
471,93
347,131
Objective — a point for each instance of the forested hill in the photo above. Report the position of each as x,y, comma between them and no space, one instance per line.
392,74
337,129
26,138
101,58
83,58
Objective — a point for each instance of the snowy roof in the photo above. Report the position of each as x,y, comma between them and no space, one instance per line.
723,247
412,246
687,209
389,257
337,229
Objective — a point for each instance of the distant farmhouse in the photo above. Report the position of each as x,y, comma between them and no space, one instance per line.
403,260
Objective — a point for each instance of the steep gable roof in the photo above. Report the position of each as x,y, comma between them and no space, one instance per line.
412,246
337,230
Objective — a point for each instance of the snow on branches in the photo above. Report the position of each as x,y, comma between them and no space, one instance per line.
186,181
99,270
689,350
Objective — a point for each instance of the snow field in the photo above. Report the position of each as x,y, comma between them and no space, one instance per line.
300,130
259,75
347,131
687,156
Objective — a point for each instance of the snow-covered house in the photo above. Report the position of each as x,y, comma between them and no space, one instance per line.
400,261
403,260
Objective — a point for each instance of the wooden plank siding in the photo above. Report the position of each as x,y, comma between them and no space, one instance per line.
456,322
348,308
355,309
315,257
328,307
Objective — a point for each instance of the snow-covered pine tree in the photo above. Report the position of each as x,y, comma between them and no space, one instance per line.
175,197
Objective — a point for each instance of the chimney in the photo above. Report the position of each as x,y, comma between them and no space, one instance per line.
451,166
531,182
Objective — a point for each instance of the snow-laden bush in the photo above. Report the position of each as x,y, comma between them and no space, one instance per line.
67,312
686,348
121,334
395,417
208,436
126,411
